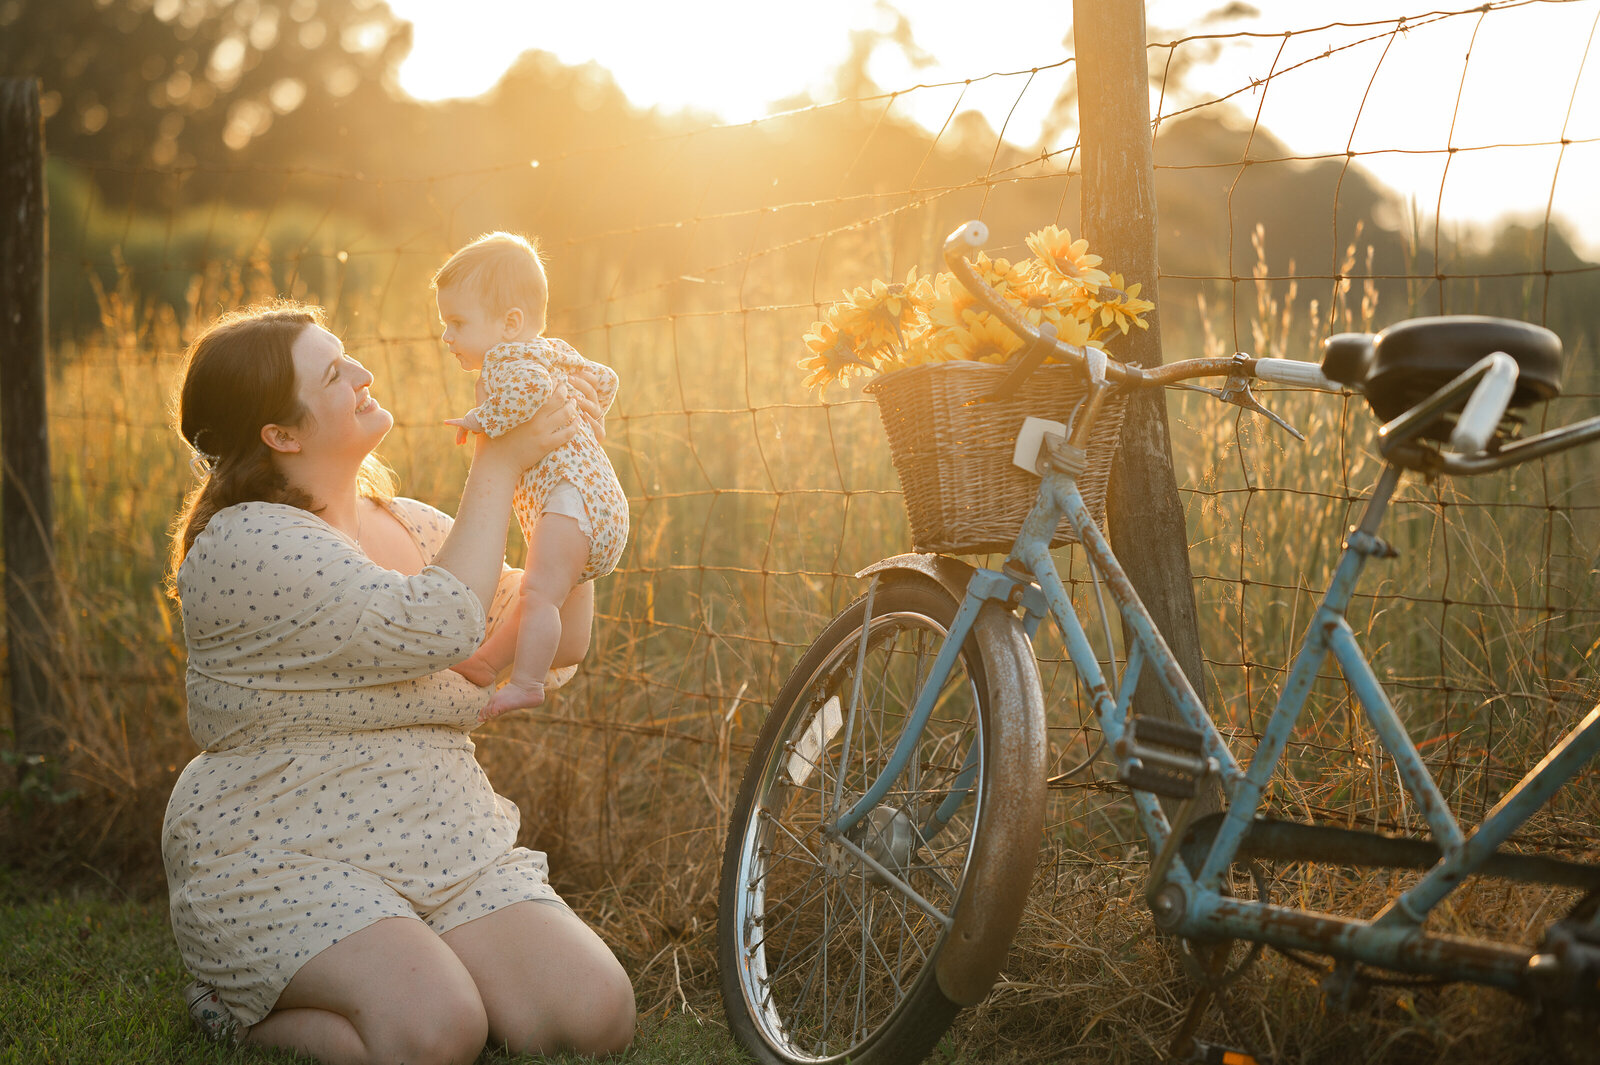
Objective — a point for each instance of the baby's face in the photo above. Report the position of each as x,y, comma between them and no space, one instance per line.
470,329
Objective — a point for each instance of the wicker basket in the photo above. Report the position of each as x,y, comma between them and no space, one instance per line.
962,493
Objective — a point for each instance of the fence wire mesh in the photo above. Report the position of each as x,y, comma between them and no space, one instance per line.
692,257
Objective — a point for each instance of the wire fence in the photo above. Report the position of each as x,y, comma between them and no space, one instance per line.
693,258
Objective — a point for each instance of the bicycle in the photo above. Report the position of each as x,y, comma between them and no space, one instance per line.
885,833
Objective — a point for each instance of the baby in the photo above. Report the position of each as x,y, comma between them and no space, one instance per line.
492,296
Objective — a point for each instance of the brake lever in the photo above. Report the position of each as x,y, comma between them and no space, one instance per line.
1237,391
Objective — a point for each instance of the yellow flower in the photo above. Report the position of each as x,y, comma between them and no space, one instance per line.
927,347
1044,297
951,302
984,338
881,326
881,315
833,357
1065,257
1073,330
1120,305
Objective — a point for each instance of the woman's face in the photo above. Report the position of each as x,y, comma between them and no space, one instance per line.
342,419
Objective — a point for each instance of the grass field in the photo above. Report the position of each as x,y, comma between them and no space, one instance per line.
91,978
754,503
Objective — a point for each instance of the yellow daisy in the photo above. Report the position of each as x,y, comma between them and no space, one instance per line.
951,301
1043,296
832,357
1070,329
883,314
984,339
1123,308
1065,257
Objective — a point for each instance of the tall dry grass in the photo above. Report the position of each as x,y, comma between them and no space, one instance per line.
753,503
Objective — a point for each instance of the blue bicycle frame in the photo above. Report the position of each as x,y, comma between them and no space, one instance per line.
1190,900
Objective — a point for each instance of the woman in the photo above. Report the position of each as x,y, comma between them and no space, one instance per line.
344,881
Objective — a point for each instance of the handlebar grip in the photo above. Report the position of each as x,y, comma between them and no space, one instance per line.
1295,372
973,234
1486,406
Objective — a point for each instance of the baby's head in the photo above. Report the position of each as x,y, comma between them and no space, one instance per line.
491,291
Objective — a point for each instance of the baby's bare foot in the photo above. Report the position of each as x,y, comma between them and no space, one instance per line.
476,670
514,696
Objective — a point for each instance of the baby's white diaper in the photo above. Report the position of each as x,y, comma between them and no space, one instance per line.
565,499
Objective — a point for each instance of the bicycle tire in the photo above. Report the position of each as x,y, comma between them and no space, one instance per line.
851,974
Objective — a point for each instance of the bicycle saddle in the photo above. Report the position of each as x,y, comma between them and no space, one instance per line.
1401,366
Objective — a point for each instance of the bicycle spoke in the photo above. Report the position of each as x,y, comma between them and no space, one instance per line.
866,940
798,842
794,927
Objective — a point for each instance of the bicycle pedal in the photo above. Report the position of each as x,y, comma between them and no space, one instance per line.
1163,757
1211,1054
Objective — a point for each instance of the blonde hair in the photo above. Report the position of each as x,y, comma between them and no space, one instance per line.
240,376
504,270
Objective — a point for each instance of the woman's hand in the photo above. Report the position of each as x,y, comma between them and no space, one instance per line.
475,549
585,389
526,445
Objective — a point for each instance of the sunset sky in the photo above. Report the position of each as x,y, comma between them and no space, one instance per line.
733,58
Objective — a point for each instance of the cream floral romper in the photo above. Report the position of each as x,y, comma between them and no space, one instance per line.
516,380
337,783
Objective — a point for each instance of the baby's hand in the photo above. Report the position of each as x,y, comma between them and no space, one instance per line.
467,423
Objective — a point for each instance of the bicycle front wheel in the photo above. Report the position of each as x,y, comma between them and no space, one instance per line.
828,940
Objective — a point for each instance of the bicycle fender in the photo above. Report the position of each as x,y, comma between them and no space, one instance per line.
1005,851
952,573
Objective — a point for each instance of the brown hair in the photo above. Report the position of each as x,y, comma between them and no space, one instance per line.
504,270
240,377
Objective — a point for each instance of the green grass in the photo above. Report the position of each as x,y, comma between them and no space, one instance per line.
87,976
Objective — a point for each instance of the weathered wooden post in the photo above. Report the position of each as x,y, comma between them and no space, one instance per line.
1119,219
31,599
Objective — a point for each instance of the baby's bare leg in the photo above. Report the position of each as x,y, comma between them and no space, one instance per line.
496,653
577,625
557,555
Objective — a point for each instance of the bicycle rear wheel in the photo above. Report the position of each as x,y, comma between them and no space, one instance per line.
828,944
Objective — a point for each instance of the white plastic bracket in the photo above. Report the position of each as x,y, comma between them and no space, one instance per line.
1030,442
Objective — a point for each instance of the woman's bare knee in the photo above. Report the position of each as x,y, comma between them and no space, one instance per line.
402,991
611,1020
450,1029
605,1022
595,1022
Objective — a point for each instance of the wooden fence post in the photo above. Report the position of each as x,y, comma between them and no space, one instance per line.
31,599
1119,220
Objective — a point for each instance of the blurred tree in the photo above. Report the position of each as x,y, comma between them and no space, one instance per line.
175,83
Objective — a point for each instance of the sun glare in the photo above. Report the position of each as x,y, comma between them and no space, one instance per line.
734,60
730,58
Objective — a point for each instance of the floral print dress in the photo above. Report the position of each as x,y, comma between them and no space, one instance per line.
337,783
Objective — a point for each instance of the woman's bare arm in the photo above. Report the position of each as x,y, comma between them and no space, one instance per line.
475,550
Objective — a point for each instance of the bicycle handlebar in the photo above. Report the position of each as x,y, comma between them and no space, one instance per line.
1296,373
